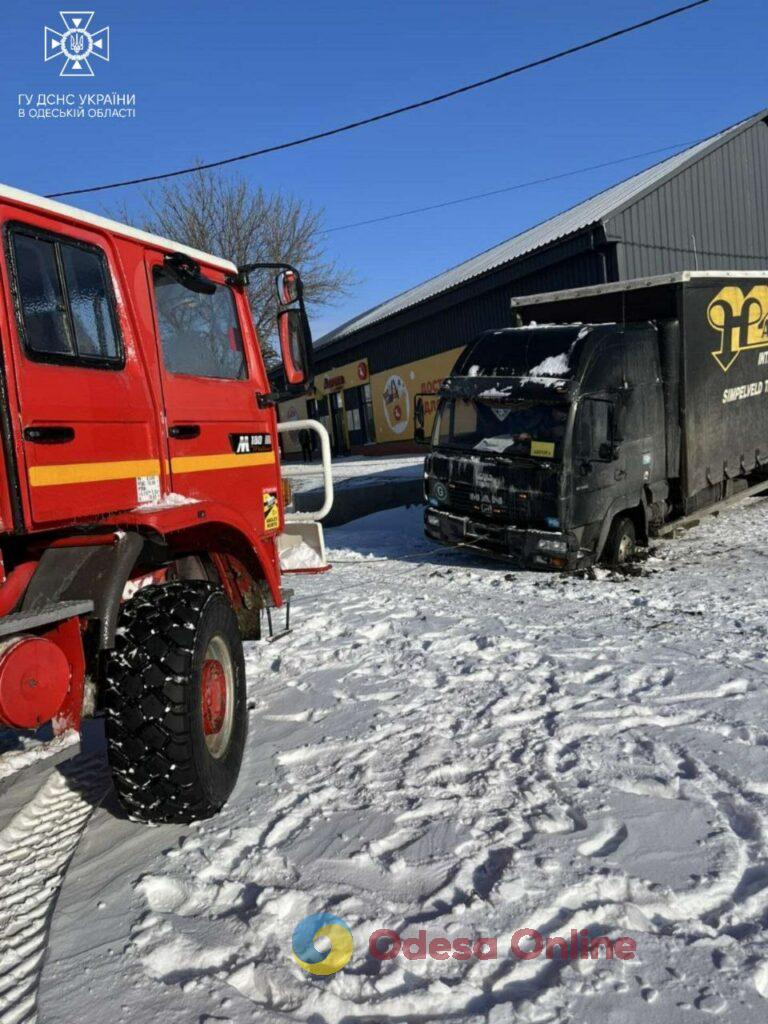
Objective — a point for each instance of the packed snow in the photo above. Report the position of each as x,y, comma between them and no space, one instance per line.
300,556
28,752
446,745
170,500
552,366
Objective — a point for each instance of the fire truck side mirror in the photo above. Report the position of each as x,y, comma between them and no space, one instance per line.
295,345
288,285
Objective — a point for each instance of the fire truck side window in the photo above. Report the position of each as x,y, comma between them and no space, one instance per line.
41,296
199,333
88,302
64,300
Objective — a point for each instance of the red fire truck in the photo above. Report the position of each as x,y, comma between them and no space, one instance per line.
141,506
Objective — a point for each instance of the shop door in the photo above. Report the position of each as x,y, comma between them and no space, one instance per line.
338,433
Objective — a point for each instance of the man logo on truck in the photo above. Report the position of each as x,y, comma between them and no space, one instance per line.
741,320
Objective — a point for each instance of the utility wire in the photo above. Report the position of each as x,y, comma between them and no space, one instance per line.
390,113
680,146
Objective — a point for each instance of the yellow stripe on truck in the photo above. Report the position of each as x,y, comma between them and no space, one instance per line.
98,472
203,463
92,472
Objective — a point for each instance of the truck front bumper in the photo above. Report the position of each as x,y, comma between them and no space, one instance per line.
527,549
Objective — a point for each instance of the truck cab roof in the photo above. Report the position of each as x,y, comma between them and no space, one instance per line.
535,351
70,213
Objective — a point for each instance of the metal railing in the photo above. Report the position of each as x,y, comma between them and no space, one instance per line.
290,470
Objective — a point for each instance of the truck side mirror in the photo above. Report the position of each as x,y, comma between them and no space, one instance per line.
295,342
288,284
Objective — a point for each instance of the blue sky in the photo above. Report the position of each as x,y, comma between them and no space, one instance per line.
213,80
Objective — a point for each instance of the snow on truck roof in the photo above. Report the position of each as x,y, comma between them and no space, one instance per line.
16,195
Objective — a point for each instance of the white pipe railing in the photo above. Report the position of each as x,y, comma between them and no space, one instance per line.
325,459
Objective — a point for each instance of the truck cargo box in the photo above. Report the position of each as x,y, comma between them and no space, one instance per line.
713,337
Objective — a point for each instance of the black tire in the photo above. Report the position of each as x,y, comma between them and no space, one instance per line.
167,765
621,545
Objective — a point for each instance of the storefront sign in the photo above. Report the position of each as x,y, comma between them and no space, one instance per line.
394,391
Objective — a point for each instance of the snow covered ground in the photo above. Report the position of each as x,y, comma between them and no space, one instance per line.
441,744
305,476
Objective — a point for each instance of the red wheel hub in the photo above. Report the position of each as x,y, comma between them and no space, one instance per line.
214,697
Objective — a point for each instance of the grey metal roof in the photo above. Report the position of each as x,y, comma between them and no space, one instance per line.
590,212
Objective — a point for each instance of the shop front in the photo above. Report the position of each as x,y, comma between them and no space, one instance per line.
369,412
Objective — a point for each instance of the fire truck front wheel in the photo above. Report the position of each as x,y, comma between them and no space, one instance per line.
176,710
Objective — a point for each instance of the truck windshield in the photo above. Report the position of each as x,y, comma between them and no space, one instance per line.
534,429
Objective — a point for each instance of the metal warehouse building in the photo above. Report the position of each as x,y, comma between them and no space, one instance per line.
704,209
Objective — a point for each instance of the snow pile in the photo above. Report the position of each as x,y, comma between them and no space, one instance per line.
170,500
495,394
300,556
552,366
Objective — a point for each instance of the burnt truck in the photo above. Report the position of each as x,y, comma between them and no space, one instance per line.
609,415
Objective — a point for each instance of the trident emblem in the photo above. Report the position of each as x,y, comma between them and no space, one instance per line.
77,44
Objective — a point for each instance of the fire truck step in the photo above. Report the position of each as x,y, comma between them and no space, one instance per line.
22,622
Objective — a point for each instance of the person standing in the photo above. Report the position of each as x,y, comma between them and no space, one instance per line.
306,445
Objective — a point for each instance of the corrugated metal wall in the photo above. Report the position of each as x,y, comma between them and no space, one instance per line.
454,319
721,202
712,216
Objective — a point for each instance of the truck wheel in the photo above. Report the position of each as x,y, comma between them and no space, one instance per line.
622,542
176,710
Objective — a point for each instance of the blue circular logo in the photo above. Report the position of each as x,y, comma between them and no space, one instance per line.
328,961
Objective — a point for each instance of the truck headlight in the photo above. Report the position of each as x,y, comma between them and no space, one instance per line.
553,546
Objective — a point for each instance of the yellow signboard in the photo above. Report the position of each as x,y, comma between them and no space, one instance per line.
394,390
351,375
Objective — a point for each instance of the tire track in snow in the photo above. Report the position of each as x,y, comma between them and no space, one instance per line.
35,849
470,751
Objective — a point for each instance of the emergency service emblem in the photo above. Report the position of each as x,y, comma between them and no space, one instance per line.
76,45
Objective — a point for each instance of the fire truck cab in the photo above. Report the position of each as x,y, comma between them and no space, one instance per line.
140,494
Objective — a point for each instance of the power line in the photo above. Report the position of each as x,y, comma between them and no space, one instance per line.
512,188
390,113
717,253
